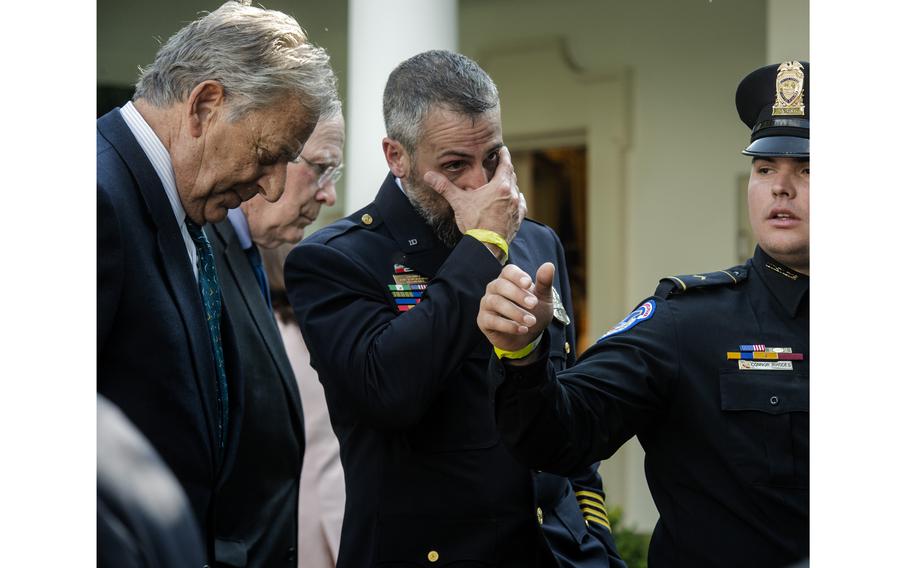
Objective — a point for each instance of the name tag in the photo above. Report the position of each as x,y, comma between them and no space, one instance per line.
765,365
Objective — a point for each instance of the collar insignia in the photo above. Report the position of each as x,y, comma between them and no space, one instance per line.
782,271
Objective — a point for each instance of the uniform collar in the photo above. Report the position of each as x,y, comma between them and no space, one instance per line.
787,285
409,229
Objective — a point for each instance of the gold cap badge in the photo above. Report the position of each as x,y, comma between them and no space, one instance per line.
789,100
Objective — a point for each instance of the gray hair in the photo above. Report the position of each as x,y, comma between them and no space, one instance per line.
332,110
258,56
433,78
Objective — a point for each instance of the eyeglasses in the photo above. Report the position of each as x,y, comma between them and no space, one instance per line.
325,174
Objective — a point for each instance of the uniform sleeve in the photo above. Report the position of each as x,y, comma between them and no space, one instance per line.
110,266
586,482
588,487
389,367
560,422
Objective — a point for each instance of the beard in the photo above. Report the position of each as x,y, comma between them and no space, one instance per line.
434,209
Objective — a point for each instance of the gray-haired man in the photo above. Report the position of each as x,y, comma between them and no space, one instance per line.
386,300
229,100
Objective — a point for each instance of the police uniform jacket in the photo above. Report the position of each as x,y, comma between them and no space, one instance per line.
726,439
428,482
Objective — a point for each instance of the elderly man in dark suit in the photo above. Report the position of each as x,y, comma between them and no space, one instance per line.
257,521
229,100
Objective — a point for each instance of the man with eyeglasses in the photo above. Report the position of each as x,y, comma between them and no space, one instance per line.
257,517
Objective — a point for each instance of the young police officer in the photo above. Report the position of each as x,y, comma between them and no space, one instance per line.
711,372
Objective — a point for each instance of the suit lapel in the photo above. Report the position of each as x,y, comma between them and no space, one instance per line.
239,267
174,260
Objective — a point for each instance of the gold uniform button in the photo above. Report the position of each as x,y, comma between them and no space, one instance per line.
568,349
539,516
367,219
432,556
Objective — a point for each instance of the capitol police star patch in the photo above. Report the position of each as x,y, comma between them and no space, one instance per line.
640,314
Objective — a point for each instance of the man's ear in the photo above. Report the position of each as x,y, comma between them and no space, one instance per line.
396,157
204,101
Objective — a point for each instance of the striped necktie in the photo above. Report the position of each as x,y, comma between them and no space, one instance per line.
210,291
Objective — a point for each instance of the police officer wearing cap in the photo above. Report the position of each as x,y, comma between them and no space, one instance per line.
711,372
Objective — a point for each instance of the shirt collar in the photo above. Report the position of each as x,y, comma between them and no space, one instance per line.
157,155
241,227
785,284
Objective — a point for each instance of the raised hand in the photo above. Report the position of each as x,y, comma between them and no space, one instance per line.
514,311
497,206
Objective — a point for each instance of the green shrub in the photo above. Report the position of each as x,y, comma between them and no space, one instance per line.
632,545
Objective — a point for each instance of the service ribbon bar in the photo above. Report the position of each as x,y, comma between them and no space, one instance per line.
765,355
407,287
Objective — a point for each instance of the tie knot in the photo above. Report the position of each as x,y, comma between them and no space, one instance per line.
194,229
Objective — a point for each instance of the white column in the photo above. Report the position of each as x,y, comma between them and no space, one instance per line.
382,34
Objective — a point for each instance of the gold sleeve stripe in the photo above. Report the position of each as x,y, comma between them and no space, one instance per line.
600,522
595,513
595,504
590,494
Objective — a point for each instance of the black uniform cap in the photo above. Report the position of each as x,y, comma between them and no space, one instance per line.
774,102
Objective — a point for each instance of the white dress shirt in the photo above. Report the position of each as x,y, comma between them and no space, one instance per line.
161,162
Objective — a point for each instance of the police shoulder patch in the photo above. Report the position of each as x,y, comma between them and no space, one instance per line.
686,282
643,312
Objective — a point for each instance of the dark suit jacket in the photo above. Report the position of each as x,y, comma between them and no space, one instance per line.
257,521
428,481
137,527
154,353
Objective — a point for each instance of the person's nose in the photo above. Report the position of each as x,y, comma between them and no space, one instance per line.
478,176
272,183
327,194
784,185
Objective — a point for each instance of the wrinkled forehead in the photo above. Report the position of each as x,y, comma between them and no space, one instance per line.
283,124
445,129
326,144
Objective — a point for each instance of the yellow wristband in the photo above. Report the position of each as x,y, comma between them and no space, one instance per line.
485,236
521,353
